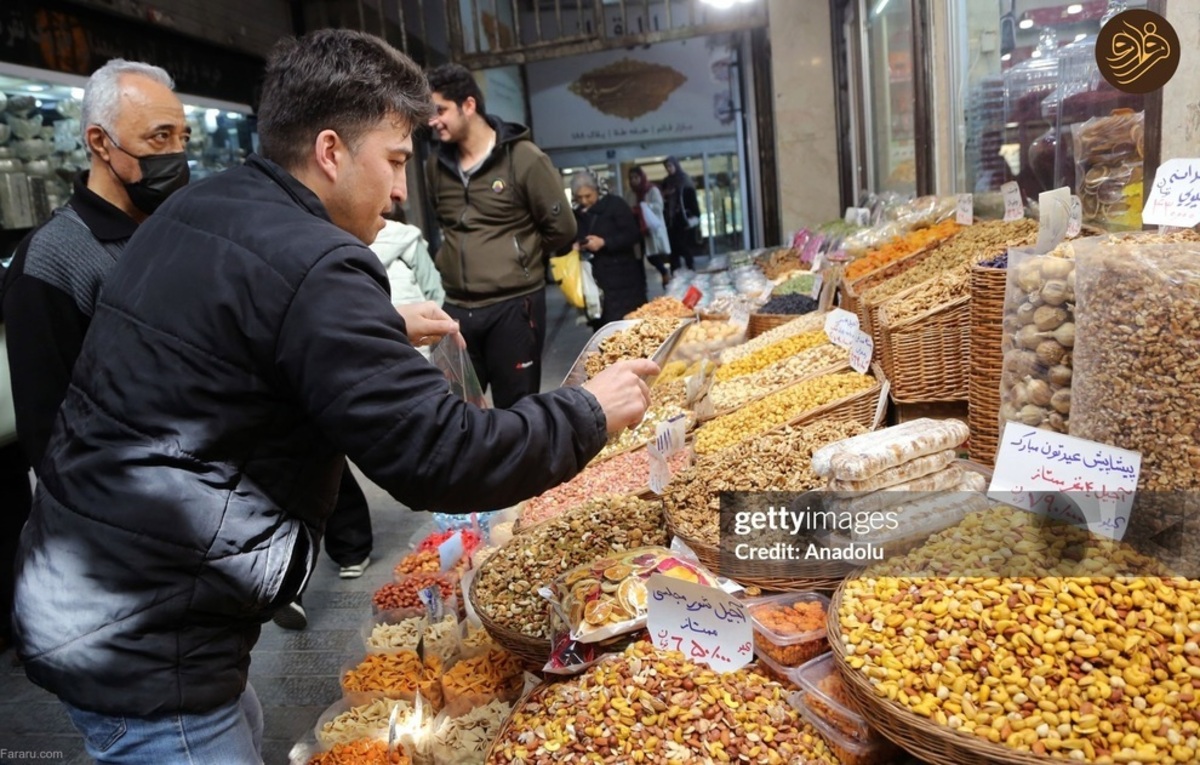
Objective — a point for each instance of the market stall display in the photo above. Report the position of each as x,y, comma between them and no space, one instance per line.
1137,371
838,396
778,461
726,395
1020,655
1039,340
624,475
662,307
504,593
664,706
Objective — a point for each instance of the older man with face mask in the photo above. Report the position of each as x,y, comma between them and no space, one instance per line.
135,134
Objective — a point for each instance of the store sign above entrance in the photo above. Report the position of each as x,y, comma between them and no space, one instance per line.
668,92
1137,51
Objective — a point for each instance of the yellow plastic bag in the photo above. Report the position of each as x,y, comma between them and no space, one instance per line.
567,272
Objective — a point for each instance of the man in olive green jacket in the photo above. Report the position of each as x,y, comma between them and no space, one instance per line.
503,211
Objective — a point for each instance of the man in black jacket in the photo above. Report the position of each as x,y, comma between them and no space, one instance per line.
135,134
242,345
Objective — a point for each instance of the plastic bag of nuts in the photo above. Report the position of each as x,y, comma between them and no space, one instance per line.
1039,339
1137,369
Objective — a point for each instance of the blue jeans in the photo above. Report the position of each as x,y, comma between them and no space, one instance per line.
228,735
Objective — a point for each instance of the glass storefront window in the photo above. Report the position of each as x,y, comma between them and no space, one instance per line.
1038,112
891,124
41,146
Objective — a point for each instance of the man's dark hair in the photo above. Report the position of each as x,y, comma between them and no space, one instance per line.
456,83
335,79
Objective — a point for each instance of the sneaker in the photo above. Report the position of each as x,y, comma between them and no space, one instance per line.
355,571
291,617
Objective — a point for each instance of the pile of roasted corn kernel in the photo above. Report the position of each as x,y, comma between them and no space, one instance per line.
1100,666
654,706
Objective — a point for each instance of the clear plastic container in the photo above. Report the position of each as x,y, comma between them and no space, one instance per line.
877,751
787,646
785,676
826,698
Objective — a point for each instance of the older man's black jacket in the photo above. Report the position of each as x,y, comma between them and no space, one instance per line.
242,344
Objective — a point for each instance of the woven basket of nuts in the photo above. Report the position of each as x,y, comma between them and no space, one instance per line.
1011,638
504,592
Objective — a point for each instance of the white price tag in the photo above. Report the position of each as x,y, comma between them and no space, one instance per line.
669,435
1075,217
842,327
1175,198
739,317
660,472
861,352
1054,209
1066,478
964,211
451,551
1014,208
707,624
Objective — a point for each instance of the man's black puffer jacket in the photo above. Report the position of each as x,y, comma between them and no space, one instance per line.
242,344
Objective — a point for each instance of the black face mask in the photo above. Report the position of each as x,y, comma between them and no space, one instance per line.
162,176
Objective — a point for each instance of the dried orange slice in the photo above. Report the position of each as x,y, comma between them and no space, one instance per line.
632,596
617,573
597,612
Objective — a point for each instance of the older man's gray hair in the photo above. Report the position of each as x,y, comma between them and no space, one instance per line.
584,180
102,96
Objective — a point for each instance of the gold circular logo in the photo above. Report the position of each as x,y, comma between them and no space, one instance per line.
1137,51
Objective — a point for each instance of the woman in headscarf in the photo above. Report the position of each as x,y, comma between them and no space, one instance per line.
655,242
682,211
609,231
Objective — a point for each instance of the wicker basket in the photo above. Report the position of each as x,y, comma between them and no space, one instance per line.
931,742
762,322
986,361
819,575
852,292
866,407
533,652
926,356
706,410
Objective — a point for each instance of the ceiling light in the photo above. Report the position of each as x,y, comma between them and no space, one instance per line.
1080,36
77,93
1026,23
1037,54
1006,57
35,88
1074,8
719,4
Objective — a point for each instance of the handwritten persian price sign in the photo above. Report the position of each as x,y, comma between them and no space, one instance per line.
860,353
705,623
1175,198
842,328
1065,478
1014,208
964,209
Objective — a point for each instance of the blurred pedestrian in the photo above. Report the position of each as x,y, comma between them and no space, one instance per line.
682,212
647,203
609,231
